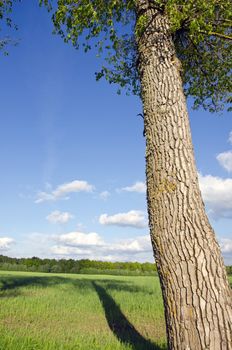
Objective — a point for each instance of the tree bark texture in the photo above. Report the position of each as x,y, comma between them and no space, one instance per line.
196,292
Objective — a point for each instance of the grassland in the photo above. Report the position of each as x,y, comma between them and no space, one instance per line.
80,312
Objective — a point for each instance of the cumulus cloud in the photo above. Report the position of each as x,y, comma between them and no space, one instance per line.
226,248
136,245
74,186
92,246
80,239
33,244
139,187
226,245
57,217
133,218
5,243
69,251
225,160
79,245
217,194
63,190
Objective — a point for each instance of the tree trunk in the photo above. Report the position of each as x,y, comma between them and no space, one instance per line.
196,292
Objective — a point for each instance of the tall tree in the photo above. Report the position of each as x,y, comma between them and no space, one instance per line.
165,50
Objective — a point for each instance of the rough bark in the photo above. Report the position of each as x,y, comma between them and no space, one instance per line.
196,292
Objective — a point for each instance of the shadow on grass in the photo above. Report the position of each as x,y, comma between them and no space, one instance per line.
10,286
120,325
117,321
8,283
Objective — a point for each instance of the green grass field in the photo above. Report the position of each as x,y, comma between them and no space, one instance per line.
80,312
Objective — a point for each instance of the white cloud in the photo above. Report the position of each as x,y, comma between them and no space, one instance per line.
226,248
133,249
80,239
225,160
139,187
104,195
226,245
33,244
74,186
217,194
62,190
57,217
133,218
79,245
230,138
136,245
43,197
71,251
92,246
5,243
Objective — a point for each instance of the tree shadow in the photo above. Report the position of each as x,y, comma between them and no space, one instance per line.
109,284
10,285
120,325
117,321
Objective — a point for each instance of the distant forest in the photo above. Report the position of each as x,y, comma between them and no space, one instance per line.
84,266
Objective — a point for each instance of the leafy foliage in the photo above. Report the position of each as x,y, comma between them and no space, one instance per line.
107,26
201,32
5,10
5,16
76,266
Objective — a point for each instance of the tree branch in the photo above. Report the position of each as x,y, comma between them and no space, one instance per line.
220,35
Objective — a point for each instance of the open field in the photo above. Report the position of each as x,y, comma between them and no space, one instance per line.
80,312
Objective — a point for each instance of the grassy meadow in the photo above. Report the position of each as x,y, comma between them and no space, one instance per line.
80,312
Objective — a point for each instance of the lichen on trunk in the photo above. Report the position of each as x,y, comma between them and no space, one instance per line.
196,292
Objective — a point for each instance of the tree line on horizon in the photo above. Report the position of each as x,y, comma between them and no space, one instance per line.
82,266
85,266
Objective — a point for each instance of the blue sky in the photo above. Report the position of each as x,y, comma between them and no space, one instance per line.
72,155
